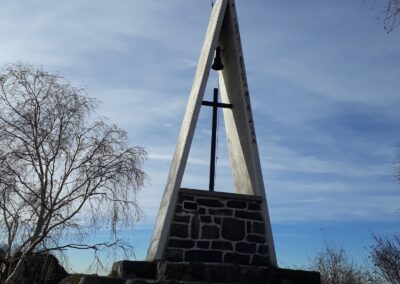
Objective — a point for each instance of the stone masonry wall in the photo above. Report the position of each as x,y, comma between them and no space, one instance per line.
217,227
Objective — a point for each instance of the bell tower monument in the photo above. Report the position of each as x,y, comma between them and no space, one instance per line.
222,38
207,236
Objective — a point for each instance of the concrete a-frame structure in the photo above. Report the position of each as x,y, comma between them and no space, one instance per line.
223,31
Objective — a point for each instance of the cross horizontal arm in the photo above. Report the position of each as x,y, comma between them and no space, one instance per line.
208,103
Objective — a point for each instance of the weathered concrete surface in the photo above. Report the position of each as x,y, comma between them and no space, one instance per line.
157,244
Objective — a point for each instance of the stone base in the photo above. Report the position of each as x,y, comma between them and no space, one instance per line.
135,272
218,227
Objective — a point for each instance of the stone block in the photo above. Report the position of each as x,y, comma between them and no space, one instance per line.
202,210
249,215
205,219
248,227
94,279
176,243
236,258
246,247
195,227
262,249
254,274
256,239
210,232
170,270
196,272
221,245
174,255
233,229
221,212
137,269
203,244
233,274
215,273
203,256
210,202
258,228
191,206
236,204
182,219
217,220
183,198
178,208
179,230
260,260
254,206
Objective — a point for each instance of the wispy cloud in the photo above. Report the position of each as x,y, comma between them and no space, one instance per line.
323,79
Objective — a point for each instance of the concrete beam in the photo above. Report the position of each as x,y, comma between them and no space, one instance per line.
185,137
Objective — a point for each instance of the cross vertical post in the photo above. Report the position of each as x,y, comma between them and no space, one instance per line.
214,104
213,140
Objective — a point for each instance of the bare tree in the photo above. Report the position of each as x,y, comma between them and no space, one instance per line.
335,267
62,173
385,256
392,15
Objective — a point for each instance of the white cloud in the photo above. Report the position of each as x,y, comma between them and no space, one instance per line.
303,60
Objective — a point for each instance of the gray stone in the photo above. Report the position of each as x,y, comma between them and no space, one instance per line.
210,202
236,258
262,249
137,269
222,212
203,255
183,198
260,260
179,230
195,227
169,270
182,272
203,244
256,239
205,219
248,227
246,248
254,206
174,255
217,273
217,220
197,272
254,274
94,279
258,228
210,232
248,215
178,208
221,245
236,204
174,243
202,210
233,229
182,219
187,205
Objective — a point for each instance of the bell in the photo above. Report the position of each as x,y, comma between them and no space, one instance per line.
217,65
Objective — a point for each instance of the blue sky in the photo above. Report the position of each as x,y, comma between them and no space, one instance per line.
324,83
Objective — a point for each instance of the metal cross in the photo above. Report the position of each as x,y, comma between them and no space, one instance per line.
215,105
